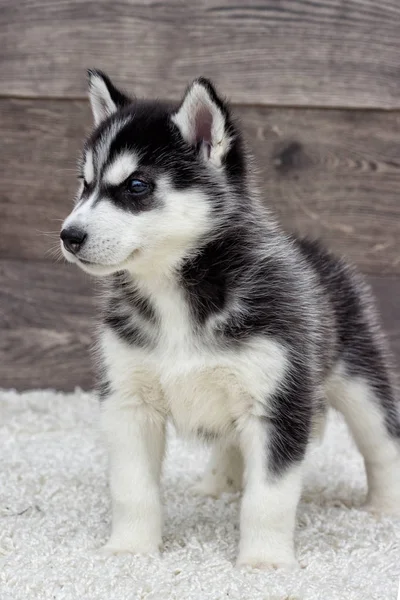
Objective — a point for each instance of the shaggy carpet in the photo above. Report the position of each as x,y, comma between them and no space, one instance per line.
55,514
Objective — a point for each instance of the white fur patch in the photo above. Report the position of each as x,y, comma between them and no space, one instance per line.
104,144
122,166
88,167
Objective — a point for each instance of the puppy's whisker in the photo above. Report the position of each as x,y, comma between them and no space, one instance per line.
53,234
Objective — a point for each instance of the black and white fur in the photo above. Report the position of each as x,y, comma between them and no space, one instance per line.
214,317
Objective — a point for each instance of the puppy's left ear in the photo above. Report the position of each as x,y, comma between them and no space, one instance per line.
105,98
204,122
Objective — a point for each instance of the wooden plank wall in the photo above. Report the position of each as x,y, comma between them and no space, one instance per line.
315,84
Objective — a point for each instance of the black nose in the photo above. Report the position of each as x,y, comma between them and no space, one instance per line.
73,239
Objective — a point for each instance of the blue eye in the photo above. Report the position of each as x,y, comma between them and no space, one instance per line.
138,187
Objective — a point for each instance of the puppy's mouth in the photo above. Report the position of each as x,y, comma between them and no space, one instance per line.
73,258
97,268
95,264
86,262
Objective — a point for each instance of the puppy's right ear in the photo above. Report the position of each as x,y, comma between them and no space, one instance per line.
203,119
105,98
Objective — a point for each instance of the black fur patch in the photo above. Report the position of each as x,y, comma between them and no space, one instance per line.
221,271
103,390
206,435
124,302
128,293
126,330
289,423
205,278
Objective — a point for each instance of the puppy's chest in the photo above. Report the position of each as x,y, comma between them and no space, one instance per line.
204,397
202,387
205,386
210,392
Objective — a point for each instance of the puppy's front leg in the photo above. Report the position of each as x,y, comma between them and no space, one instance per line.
135,433
271,494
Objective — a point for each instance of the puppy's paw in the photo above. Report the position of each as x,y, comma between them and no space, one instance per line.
109,550
267,559
384,489
380,506
271,565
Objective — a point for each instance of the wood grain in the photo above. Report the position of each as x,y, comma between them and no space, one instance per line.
333,174
47,317
46,324
387,292
343,53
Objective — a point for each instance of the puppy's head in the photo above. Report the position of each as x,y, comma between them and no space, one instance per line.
154,179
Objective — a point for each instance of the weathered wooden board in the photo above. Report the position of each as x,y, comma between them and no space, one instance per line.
38,153
343,53
46,326
47,318
46,296
335,174
33,358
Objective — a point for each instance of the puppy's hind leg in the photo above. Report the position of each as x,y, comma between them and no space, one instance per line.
372,412
224,472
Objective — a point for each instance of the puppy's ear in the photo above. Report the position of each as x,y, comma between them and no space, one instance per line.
204,122
104,97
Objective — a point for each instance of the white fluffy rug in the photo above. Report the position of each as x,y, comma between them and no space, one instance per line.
55,513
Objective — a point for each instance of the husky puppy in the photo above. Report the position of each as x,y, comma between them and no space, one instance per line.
214,317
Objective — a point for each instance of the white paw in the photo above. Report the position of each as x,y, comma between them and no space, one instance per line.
125,546
109,550
384,489
266,563
266,555
383,505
